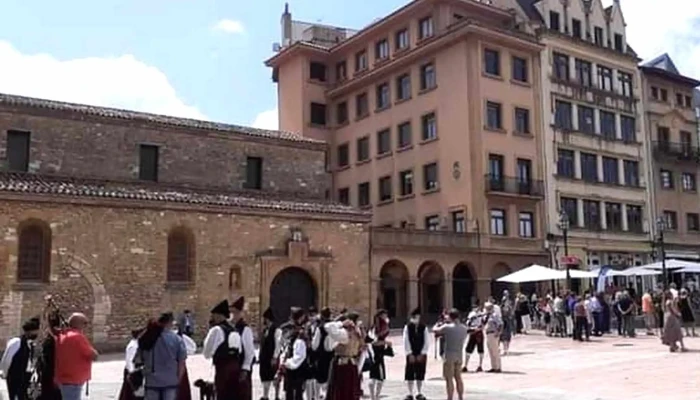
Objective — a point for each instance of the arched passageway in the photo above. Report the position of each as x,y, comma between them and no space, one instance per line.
463,287
497,288
393,291
431,290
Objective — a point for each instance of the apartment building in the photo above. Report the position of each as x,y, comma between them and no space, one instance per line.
593,141
672,125
432,115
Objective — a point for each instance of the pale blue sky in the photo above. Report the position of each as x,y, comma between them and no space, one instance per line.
166,55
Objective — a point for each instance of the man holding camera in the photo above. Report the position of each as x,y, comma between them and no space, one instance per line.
454,334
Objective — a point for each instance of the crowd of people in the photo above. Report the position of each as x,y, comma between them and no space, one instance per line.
325,355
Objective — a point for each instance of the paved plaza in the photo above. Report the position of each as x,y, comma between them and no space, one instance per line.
539,368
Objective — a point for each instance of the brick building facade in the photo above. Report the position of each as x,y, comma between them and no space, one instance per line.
123,215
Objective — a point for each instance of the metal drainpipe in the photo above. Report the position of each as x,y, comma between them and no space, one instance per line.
369,273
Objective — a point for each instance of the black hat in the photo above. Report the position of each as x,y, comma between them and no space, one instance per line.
344,311
32,324
326,313
238,304
353,316
222,309
415,312
380,312
313,310
268,315
297,313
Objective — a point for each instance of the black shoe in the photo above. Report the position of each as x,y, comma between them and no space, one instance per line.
479,369
409,397
494,371
420,397
464,370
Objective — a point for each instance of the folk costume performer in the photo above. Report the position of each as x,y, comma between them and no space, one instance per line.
416,339
225,346
344,383
296,365
270,347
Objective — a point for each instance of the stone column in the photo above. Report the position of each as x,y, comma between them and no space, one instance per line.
603,216
412,294
447,290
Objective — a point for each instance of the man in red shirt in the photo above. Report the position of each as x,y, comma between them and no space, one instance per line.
74,357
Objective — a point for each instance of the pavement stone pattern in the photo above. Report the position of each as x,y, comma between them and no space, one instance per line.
538,368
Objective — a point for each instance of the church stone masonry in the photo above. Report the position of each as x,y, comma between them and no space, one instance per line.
95,230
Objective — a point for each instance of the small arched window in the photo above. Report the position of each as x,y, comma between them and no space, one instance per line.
180,255
34,252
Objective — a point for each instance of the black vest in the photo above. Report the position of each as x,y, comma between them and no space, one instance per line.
17,374
416,337
223,353
267,344
322,343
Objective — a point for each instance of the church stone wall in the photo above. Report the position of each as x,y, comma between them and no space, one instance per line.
109,261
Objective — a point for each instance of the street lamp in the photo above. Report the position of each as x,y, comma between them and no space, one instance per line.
660,227
564,226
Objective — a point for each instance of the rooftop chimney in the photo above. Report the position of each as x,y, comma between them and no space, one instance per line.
286,26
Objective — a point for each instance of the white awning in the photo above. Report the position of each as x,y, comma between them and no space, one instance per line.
533,273
638,271
579,274
672,264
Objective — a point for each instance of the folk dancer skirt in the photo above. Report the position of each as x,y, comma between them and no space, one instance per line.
127,392
344,379
228,384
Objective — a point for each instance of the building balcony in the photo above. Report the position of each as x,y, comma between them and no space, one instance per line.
400,239
404,239
680,152
513,186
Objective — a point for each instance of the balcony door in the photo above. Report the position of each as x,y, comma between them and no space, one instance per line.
496,172
524,176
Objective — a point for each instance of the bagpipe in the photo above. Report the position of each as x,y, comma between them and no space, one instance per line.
55,322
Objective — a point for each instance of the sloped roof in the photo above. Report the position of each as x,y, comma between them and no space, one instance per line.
10,100
664,67
663,62
55,187
530,10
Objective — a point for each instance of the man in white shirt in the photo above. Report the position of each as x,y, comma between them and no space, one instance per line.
295,365
16,363
416,342
232,351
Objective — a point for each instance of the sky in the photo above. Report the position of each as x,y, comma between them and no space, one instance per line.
205,58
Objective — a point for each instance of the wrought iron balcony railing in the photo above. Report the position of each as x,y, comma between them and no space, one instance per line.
517,186
679,151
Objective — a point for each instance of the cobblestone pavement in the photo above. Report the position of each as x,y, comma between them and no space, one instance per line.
538,368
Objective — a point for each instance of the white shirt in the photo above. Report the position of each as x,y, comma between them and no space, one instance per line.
328,344
11,348
215,337
190,345
130,353
407,343
298,355
337,333
674,292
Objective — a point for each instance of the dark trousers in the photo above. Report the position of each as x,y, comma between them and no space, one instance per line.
581,328
597,324
17,388
294,387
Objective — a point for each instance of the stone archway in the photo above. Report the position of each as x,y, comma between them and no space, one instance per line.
463,287
292,287
431,289
393,291
498,271
101,306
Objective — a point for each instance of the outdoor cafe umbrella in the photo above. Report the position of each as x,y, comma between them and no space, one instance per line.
533,273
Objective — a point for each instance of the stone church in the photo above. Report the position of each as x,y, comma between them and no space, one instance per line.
122,215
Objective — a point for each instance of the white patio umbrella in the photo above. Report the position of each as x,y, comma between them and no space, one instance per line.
672,264
578,274
533,273
639,271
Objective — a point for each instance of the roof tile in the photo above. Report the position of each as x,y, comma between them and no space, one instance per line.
93,188
115,113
